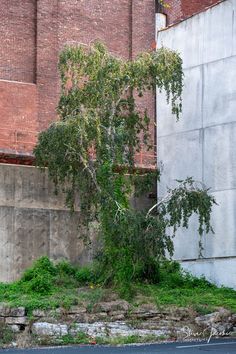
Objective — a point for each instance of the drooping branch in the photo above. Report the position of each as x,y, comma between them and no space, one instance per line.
189,185
99,112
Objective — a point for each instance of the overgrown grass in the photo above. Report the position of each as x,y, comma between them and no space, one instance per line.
181,289
120,340
201,299
83,338
49,286
6,335
80,338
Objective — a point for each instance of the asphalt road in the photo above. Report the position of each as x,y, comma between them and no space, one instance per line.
215,346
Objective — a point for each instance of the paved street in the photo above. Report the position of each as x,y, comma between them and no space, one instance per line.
216,346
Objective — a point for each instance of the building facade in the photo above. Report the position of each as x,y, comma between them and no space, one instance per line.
202,143
32,34
179,10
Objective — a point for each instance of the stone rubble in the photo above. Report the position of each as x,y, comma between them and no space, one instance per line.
96,329
49,329
118,305
221,321
6,311
114,318
114,329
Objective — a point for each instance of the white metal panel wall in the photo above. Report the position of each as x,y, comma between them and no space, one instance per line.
202,143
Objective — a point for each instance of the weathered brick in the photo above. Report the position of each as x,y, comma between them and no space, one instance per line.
18,110
33,32
17,38
177,10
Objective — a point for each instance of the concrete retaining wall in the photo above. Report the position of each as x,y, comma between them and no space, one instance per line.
202,143
34,222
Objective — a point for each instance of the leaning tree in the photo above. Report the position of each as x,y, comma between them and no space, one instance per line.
91,150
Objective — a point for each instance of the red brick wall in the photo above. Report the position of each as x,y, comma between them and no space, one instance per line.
17,40
143,30
180,9
90,20
125,26
32,33
18,116
61,22
47,59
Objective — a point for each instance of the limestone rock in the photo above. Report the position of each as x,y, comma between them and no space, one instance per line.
112,306
82,317
94,317
153,325
5,311
181,312
17,320
114,329
211,319
233,319
220,322
17,312
145,311
223,328
99,316
49,329
173,318
116,315
48,313
39,313
15,328
76,310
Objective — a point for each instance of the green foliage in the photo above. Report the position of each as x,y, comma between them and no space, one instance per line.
179,288
133,339
142,240
64,268
85,275
41,284
176,208
6,334
99,113
172,276
83,338
80,338
46,285
40,267
174,287
144,182
39,278
91,151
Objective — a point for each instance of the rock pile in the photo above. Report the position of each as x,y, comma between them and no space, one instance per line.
14,317
116,318
222,321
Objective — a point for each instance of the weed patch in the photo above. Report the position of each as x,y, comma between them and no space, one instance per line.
49,286
6,335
